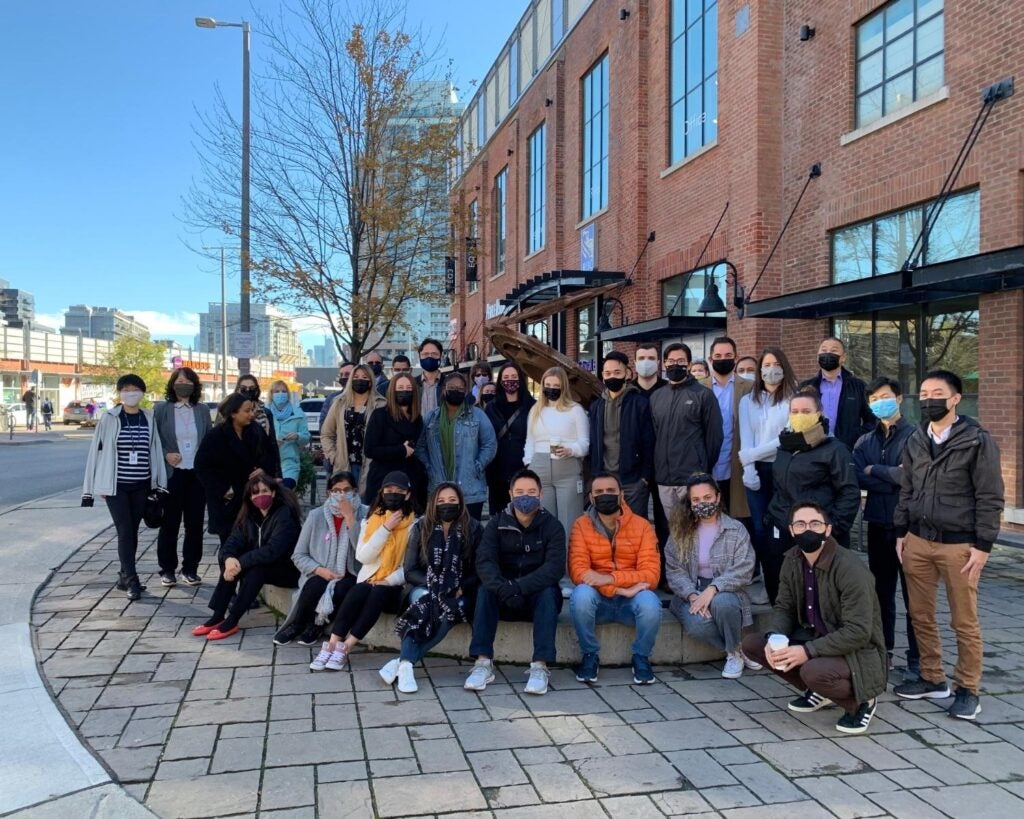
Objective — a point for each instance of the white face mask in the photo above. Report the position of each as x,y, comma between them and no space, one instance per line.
131,399
645,368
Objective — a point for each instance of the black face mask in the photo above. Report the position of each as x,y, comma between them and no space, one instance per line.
343,382
404,398
252,393
449,512
809,541
393,501
487,397
934,409
360,386
607,504
615,384
676,372
184,390
552,393
455,398
828,361
723,366
376,367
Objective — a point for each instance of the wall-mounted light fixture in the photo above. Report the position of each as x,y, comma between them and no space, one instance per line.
806,33
623,14
509,152
548,102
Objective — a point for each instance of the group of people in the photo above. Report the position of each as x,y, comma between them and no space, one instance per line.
746,473
45,410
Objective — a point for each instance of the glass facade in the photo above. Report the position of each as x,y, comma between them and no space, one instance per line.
674,302
595,139
537,194
694,77
500,220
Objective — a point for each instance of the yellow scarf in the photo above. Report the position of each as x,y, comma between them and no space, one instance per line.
393,554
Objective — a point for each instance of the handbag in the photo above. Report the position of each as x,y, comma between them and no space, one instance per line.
153,510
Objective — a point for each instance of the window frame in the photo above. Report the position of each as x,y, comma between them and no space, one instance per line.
536,197
500,199
678,149
590,115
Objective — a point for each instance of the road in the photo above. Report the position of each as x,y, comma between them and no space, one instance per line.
30,471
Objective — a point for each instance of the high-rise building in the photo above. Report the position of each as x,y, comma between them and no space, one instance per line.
323,355
17,307
107,323
275,337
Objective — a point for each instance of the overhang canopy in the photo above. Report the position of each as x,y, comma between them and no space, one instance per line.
665,327
557,283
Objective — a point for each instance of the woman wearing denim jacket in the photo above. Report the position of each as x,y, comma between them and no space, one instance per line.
457,443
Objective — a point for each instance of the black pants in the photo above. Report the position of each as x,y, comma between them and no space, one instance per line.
126,511
541,608
886,568
497,496
771,559
660,520
362,607
248,585
304,610
186,501
476,510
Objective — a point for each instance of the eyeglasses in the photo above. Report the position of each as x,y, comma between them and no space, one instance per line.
676,362
816,526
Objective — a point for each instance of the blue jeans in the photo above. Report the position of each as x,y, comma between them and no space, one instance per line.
414,651
590,608
541,609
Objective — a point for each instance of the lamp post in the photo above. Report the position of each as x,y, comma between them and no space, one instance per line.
209,22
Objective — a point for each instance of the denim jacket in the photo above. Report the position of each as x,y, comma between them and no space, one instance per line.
475,446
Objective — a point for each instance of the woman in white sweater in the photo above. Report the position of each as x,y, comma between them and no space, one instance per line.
557,441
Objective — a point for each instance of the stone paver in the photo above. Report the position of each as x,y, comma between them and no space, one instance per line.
427,793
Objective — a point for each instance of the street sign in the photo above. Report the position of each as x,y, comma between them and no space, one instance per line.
244,345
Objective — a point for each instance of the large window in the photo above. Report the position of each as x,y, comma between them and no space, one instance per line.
513,71
883,244
595,138
557,22
481,119
675,301
899,57
537,193
474,232
694,82
500,220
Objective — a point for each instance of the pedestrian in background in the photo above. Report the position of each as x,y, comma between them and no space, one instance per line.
479,375
343,432
375,361
249,386
183,421
291,430
29,400
126,463
509,414
391,437
488,392
47,409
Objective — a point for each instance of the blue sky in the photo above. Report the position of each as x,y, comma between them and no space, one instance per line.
96,146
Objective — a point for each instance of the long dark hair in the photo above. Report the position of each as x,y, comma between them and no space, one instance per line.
683,523
396,412
502,396
282,497
789,384
197,386
408,507
430,520
229,406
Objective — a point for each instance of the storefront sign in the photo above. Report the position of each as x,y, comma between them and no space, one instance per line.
471,259
588,247
494,309
449,275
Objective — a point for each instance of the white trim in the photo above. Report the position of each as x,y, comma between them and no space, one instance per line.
671,169
537,252
593,217
896,116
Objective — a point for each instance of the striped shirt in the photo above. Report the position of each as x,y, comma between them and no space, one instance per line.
132,449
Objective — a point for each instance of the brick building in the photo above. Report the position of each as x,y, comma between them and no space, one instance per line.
603,123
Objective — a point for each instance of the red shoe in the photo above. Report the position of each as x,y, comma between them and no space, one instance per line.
217,634
203,630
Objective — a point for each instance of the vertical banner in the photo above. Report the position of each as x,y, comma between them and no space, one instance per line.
471,259
449,275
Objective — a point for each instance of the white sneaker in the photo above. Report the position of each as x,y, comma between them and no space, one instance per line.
733,666
538,682
339,659
751,664
480,676
320,663
407,678
389,672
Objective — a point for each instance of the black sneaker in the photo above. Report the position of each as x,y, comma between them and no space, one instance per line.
134,588
168,579
858,721
920,689
312,635
809,703
122,582
586,671
286,634
191,579
643,674
966,705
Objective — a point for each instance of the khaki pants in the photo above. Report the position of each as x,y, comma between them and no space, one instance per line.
924,563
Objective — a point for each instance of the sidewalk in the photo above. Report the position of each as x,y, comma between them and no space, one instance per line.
242,728
26,438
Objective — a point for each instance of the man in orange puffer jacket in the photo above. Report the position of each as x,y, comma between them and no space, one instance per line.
614,562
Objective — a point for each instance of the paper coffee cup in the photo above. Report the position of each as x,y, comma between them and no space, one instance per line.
777,642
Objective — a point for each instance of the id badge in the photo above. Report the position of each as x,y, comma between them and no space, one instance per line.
775,532
579,486
133,458
186,446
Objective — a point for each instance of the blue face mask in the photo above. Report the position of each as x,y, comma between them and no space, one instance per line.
527,504
885,408
281,398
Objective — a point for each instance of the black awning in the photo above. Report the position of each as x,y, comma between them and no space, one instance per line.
971,275
557,283
665,327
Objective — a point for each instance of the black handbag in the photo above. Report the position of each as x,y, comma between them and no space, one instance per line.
153,511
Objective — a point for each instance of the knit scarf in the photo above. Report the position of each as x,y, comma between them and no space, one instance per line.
790,441
283,414
393,554
444,577
448,442
336,560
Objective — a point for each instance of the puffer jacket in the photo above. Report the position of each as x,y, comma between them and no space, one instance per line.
952,493
475,445
849,608
688,431
265,541
534,556
630,555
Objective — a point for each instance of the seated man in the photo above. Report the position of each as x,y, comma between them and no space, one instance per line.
828,612
519,562
615,564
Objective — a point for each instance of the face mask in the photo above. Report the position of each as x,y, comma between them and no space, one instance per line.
131,399
184,391
393,501
676,372
772,375
455,398
334,505
801,421
262,502
430,364
607,504
449,512
404,398
360,386
342,381
828,361
723,366
488,397
615,384
934,409
704,509
252,393
884,408
552,393
646,368
376,368
809,541
480,380
510,387
746,376
527,504
280,399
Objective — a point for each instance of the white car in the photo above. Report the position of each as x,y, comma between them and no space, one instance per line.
311,409
20,416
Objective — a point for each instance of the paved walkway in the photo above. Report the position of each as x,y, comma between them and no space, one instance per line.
241,727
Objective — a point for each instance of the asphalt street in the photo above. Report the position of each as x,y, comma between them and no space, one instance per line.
30,471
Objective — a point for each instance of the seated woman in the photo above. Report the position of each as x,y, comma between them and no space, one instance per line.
258,550
440,567
708,564
326,559
383,538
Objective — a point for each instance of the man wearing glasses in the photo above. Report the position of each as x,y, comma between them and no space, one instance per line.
826,627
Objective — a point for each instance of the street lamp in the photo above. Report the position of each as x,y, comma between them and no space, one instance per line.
209,22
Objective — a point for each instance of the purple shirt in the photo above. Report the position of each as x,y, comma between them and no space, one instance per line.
811,608
830,391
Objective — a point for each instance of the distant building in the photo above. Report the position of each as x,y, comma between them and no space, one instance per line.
323,355
106,323
275,336
17,307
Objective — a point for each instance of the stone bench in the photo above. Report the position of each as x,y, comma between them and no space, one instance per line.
514,641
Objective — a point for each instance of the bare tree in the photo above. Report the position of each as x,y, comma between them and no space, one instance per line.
353,131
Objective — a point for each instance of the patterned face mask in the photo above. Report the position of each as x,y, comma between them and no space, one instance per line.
704,509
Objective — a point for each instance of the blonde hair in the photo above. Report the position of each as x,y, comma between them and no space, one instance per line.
565,401
276,384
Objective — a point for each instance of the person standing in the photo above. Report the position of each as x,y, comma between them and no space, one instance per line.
183,421
746,367
291,430
125,464
29,400
843,400
479,375
47,409
344,374
392,433
947,518
508,413
343,433
249,386
429,379
457,444
647,365
622,434
729,389
401,365
687,428
488,392
877,461
375,361
699,370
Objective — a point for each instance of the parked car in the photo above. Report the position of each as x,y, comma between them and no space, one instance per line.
76,413
311,409
15,412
